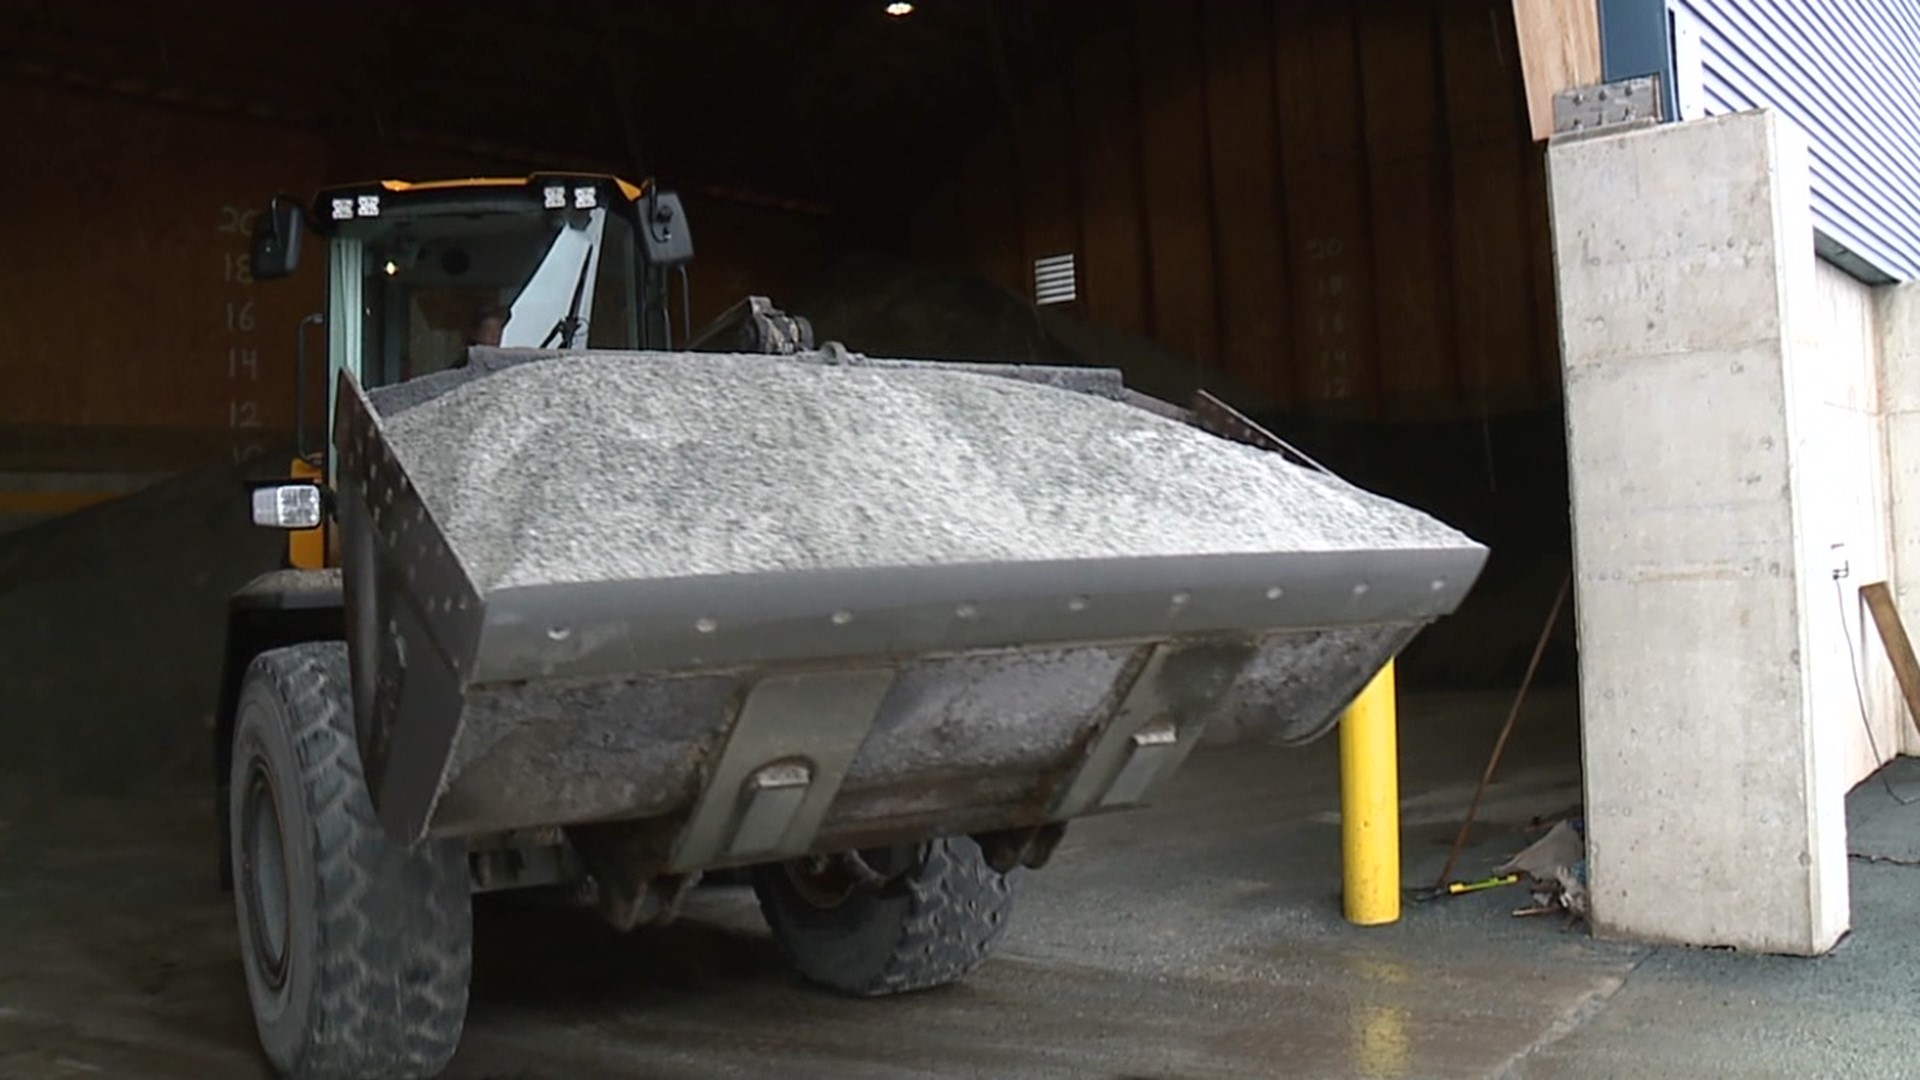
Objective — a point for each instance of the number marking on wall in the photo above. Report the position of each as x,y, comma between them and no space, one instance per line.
242,355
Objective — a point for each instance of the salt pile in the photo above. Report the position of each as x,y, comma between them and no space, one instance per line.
112,630
596,468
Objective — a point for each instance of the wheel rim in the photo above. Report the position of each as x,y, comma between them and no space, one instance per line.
827,881
264,876
823,882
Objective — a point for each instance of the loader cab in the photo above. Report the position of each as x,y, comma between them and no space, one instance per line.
415,269
413,276
552,261
419,272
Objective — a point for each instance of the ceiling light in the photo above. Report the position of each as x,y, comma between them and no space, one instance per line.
391,268
899,8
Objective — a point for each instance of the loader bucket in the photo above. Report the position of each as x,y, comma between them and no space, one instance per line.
764,715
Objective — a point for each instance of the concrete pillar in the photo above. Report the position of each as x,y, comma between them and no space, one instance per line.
1714,804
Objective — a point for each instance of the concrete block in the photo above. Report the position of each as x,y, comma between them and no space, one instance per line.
1695,486
1693,321
1698,831
1658,282
1660,305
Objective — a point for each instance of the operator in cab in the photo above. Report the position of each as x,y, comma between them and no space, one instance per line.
488,324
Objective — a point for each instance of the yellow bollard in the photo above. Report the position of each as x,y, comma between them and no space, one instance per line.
1370,804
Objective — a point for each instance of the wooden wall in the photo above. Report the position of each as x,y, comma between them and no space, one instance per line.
135,341
135,338
1330,205
1559,50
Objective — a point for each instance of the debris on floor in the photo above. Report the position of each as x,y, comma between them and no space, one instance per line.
1556,867
1457,888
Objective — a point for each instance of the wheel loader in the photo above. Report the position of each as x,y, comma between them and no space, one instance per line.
880,752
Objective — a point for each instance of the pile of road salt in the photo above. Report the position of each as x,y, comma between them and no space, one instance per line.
585,469
112,631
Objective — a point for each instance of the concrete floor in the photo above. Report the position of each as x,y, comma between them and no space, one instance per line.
1201,938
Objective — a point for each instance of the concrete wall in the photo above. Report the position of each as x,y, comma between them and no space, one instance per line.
1845,516
1729,452
1897,318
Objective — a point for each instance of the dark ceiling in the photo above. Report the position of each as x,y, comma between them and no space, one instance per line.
828,102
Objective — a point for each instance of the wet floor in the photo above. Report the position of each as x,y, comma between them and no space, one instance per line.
1201,938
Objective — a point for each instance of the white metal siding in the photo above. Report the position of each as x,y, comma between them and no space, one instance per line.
1848,73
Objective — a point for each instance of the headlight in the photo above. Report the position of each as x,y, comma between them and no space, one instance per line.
287,506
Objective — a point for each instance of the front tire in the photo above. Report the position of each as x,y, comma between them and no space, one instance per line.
930,926
357,951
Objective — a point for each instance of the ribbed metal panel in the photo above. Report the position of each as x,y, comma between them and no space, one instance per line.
1848,73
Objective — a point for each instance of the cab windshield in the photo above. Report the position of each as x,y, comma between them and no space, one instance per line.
431,285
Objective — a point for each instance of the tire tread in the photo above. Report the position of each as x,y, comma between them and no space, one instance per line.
394,945
956,908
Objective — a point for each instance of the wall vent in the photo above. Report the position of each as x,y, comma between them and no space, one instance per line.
1053,280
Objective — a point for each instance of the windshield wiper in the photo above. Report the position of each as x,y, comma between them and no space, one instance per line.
568,328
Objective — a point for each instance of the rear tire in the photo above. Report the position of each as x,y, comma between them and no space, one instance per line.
357,951
930,927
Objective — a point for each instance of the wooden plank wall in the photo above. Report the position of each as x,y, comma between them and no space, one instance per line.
1560,49
136,337
136,340
1332,206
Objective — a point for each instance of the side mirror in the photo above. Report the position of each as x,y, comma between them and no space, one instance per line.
276,239
663,232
